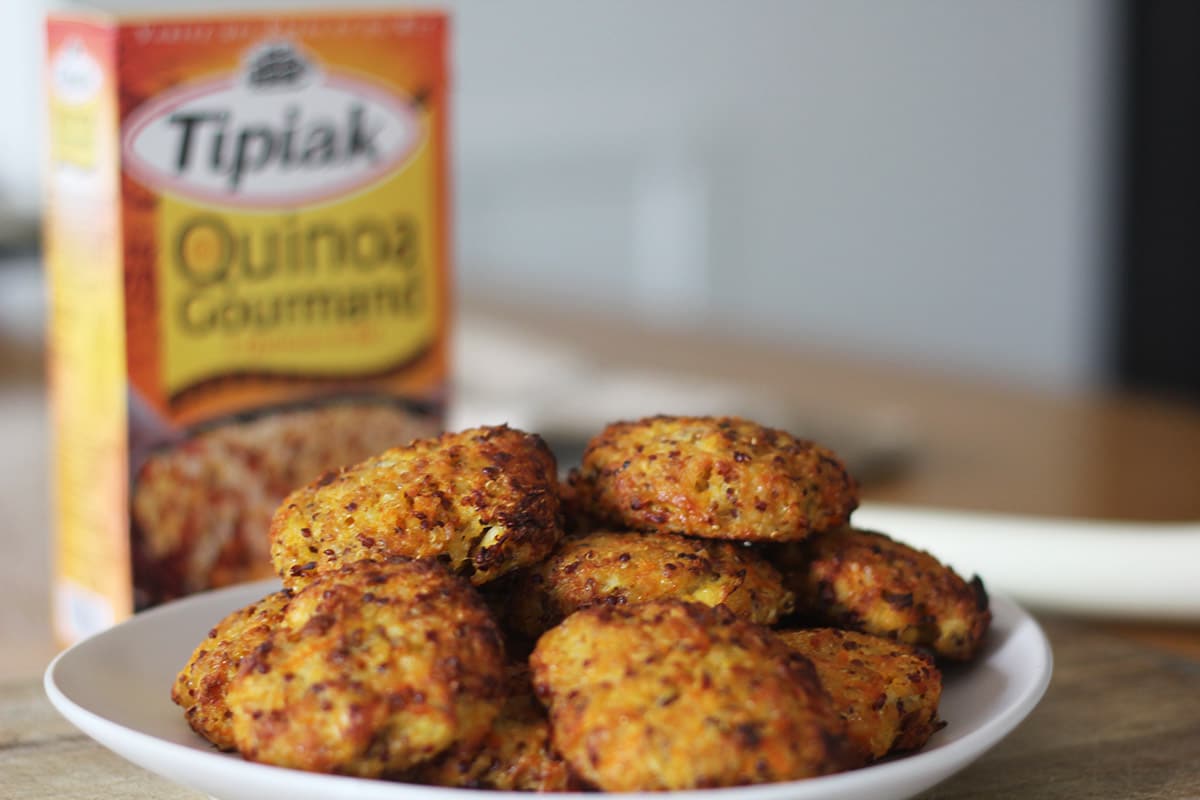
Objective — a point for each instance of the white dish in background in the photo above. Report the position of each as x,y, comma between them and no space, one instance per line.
1138,570
115,687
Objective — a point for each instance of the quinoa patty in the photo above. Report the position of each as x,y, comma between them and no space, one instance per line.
868,582
618,568
887,692
713,477
673,695
374,669
201,685
482,501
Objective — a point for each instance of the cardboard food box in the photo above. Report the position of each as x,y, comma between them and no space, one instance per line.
248,253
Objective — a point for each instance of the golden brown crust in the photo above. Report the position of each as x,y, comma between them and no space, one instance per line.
713,477
374,669
516,756
201,685
483,501
618,568
865,581
887,692
673,695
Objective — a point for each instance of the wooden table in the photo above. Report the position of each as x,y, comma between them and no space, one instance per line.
1119,719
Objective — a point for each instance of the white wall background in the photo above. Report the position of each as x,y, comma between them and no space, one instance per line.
925,180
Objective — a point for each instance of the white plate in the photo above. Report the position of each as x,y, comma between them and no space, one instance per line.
115,687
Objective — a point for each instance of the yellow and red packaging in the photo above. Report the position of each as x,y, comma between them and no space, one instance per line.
247,245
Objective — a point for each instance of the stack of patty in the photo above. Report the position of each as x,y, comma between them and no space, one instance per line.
709,619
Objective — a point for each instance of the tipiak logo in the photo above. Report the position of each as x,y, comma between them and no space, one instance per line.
280,133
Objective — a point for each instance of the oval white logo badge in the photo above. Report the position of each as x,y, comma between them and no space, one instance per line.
280,133
75,75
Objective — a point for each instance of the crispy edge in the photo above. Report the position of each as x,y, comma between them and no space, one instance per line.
201,685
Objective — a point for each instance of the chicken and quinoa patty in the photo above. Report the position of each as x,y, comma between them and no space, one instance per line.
865,581
615,568
482,501
516,755
201,685
673,695
887,692
374,669
713,477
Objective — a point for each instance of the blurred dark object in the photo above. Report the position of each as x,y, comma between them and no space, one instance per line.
22,311
20,233
1158,328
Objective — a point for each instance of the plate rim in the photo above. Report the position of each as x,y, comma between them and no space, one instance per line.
155,751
